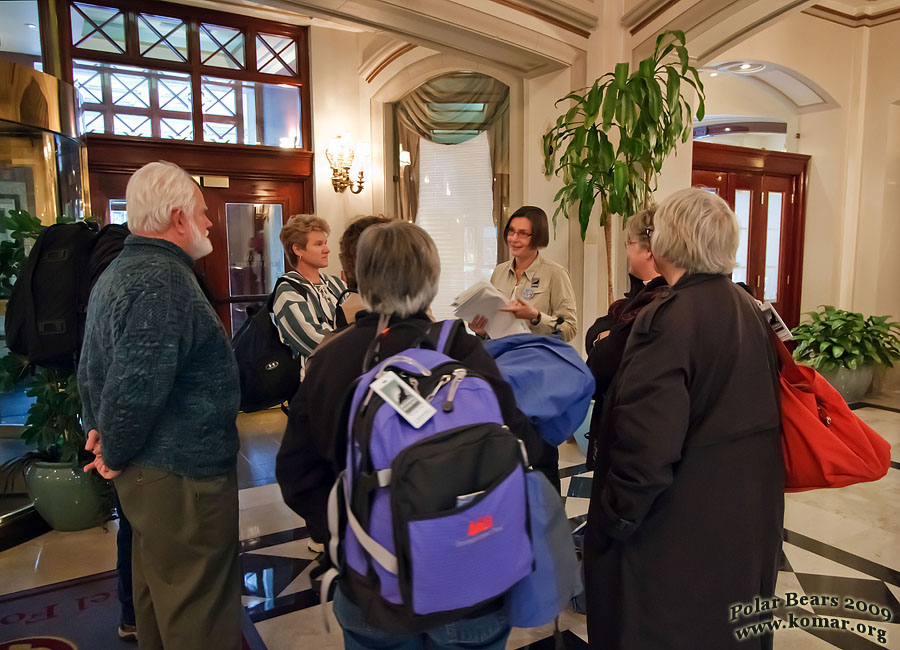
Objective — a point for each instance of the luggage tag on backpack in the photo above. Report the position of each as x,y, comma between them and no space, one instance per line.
403,399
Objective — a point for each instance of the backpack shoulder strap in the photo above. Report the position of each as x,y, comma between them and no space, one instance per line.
284,279
442,334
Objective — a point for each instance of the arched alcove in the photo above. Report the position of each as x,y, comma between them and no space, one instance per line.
389,88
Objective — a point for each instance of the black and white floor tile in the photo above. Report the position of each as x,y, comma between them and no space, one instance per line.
280,599
844,543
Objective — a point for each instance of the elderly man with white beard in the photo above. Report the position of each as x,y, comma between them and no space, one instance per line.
160,392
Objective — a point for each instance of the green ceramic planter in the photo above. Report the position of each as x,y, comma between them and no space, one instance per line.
67,499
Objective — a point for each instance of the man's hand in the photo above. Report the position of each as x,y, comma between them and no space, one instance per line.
522,309
93,442
478,325
93,445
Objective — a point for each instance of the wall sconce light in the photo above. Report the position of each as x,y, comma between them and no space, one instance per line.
340,154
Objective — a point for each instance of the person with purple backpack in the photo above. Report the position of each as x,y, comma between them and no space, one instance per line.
398,270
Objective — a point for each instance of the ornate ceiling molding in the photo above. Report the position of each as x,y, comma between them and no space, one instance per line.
861,18
490,30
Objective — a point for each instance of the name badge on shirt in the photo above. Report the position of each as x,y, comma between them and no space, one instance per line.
528,292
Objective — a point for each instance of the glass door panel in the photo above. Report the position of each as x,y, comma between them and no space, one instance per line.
775,207
742,211
117,212
255,254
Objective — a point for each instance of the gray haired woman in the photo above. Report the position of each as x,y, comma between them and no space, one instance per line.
397,268
687,503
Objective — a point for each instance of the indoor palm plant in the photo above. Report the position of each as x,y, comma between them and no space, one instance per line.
609,146
845,347
66,497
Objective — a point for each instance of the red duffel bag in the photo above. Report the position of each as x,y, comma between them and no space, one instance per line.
825,444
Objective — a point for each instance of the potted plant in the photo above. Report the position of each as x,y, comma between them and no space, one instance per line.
644,113
66,497
845,347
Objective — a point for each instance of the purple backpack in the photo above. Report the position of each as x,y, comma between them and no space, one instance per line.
433,520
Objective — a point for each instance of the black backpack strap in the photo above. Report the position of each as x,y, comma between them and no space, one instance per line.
441,334
340,318
270,303
373,354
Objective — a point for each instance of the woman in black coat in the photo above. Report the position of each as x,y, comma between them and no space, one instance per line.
687,503
606,338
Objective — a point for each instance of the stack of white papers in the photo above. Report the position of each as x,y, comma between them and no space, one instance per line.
483,299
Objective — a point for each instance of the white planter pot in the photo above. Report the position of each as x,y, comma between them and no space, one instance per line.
851,384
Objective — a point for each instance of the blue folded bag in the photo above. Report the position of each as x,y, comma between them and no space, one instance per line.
538,598
552,385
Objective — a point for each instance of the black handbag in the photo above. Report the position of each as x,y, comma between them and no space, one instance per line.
269,373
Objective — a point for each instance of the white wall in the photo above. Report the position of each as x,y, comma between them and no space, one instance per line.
337,106
831,56
875,288
540,115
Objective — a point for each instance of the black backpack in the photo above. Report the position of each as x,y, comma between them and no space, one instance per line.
269,373
47,308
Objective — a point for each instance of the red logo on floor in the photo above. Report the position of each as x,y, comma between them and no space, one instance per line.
480,525
38,643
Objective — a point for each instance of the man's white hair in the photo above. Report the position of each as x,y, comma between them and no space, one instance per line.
154,191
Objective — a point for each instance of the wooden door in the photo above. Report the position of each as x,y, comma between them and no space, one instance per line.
711,180
766,190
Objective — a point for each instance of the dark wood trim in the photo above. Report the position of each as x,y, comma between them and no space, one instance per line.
547,18
64,22
185,12
656,14
248,76
720,157
122,154
863,20
196,91
48,23
305,100
390,59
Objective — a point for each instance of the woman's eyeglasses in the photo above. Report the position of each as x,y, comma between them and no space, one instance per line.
518,233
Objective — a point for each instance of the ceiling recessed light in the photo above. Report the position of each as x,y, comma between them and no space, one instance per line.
713,74
728,128
30,25
742,67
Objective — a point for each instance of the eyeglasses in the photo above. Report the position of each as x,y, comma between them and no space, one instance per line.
518,233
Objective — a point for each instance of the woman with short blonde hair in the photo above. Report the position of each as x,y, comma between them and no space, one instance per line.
296,233
306,299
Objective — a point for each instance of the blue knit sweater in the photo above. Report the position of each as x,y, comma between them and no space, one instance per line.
157,376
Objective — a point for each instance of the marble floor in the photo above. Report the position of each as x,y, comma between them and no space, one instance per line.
844,542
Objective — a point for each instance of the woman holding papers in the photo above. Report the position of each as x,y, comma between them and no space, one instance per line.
539,290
